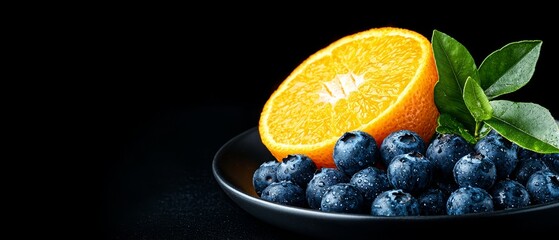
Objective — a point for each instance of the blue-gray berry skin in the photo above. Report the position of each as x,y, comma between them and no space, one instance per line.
400,142
342,198
322,179
501,151
509,194
466,200
526,168
411,172
444,151
371,181
446,186
395,202
297,168
474,169
524,154
552,161
285,193
432,202
355,150
543,186
264,175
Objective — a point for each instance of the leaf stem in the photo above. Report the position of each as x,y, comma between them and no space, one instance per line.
477,130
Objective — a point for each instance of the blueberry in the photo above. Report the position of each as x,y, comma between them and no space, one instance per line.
322,179
552,161
446,186
444,151
509,194
543,186
474,169
526,168
411,172
400,142
432,202
524,154
370,181
342,198
285,193
355,150
469,199
501,151
297,168
395,202
264,175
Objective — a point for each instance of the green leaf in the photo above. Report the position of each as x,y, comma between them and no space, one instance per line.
454,66
529,125
448,124
509,68
484,131
463,94
476,101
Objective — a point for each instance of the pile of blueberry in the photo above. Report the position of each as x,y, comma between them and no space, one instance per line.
406,176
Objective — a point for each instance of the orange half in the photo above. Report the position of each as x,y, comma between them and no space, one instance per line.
379,81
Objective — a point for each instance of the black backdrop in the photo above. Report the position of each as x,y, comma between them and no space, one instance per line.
179,84
176,59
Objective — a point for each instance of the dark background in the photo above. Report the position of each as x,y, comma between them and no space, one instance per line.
177,85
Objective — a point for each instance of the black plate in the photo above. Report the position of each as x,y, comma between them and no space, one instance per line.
236,161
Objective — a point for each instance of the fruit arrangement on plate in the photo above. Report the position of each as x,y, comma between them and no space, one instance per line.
389,123
405,176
